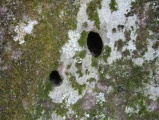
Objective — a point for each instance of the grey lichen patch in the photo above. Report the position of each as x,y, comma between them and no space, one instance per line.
92,8
22,30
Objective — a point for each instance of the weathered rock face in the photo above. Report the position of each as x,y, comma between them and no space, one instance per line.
95,44
55,78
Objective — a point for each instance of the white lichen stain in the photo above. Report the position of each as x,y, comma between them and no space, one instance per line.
109,20
65,91
57,117
70,48
129,110
100,98
152,92
83,17
22,30
68,51
86,115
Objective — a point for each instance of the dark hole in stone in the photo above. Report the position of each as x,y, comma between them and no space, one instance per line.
95,44
157,9
55,78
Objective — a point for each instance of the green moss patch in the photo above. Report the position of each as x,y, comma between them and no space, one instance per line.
106,53
25,85
83,39
119,44
93,13
113,5
75,85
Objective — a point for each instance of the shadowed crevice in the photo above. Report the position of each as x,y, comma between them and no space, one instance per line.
55,78
95,44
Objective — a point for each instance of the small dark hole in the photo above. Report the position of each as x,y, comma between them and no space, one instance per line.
157,9
95,44
55,78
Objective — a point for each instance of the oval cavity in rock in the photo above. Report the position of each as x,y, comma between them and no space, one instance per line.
55,78
95,44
